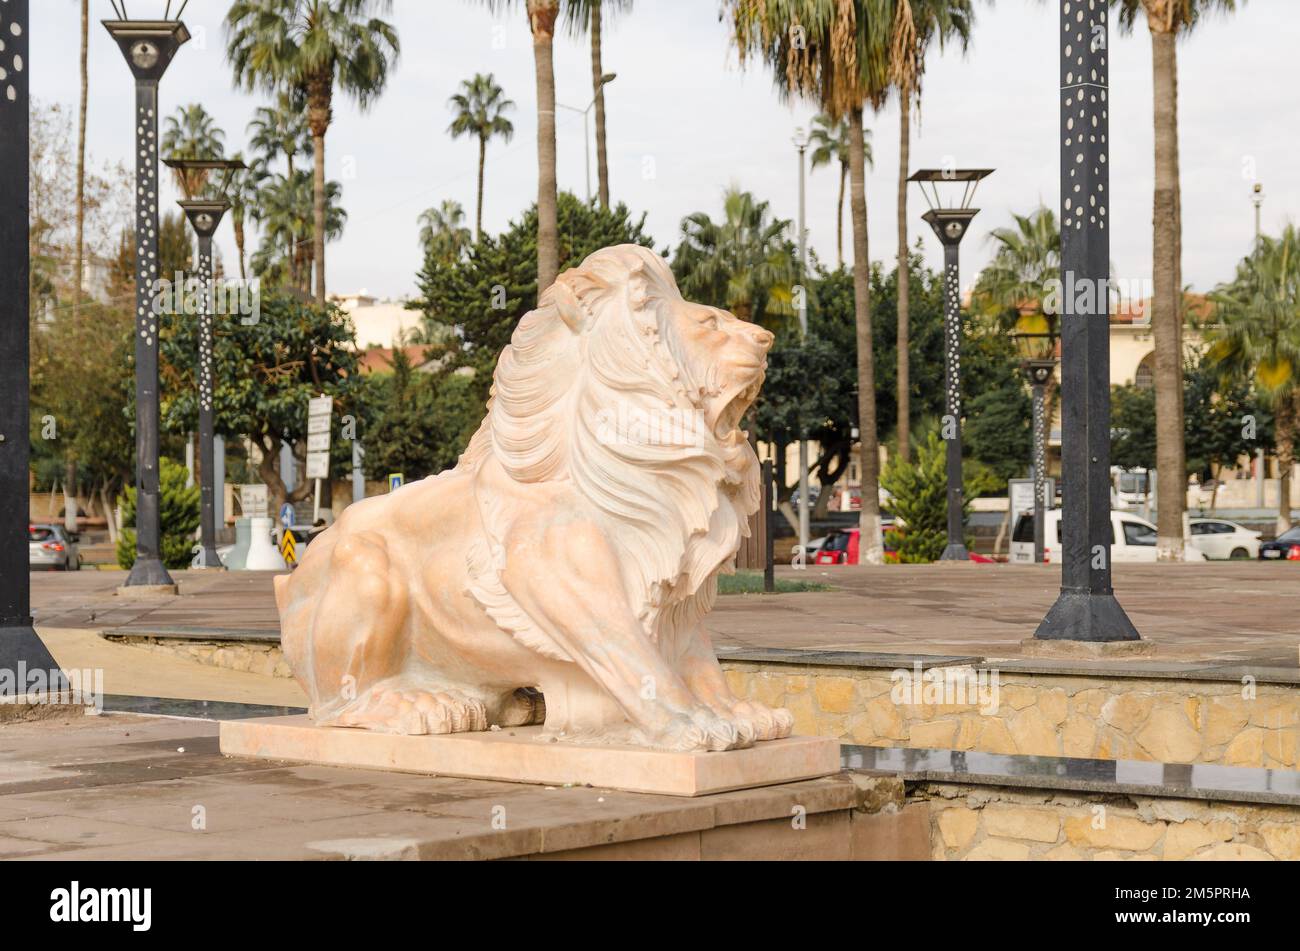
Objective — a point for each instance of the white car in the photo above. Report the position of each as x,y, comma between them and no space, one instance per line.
1221,540
1133,538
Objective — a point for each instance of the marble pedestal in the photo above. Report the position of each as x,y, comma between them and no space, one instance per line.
521,755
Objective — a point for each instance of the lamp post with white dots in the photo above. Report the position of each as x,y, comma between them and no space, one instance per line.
205,216
148,46
950,221
1086,609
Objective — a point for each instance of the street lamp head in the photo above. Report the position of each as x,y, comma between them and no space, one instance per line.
148,45
800,138
205,214
949,197
199,172
608,78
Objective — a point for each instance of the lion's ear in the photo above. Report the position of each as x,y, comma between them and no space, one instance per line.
566,305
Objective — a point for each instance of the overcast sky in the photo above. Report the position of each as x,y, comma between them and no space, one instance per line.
685,121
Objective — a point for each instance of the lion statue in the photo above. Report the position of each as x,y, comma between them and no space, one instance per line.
575,547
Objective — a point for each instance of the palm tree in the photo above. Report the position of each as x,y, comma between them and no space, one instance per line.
744,263
839,58
480,111
1165,20
192,134
830,141
1258,339
585,16
286,211
1026,259
311,46
542,15
244,193
916,23
443,233
281,129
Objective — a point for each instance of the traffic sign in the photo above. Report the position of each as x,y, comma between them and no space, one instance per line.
289,548
286,515
395,481
320,412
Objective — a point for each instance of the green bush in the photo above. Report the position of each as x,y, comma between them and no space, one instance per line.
178,511
920,499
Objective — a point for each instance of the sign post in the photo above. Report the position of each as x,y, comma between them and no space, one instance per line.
320,413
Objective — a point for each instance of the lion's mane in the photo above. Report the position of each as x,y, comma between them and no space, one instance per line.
599,345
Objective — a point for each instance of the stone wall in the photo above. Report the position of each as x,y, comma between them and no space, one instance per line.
1163,720
257,657
971,823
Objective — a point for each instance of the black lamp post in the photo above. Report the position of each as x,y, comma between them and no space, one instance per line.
1086,609
18,641
148,46
950,223
1038,363
205,217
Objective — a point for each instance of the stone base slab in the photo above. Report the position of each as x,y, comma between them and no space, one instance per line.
523,755
1087,650
145,592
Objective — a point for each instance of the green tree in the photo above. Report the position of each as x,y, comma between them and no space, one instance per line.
422,421
1014,286
178,511
443,233
481,108
244,193
744,263
286,212
470,307
312,46
1133,427
919,493
1258,340
265,371
281,129
192,134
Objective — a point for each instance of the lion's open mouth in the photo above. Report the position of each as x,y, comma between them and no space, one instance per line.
733,409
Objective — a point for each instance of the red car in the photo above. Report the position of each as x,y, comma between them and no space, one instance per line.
841,548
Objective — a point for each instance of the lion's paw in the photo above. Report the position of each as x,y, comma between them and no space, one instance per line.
700,732
415,712
761,722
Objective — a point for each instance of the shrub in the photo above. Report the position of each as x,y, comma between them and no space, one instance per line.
179,508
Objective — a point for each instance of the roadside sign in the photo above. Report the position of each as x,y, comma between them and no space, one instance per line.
286,515
1020,494
289,548
253,501
395,481
320,412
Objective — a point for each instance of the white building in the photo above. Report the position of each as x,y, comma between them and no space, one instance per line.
379,322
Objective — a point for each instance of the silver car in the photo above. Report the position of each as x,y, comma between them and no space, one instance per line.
51,547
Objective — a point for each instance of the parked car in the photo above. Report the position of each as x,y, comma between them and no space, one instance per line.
841,548
1286,546
53,548
1133,538
1220,539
